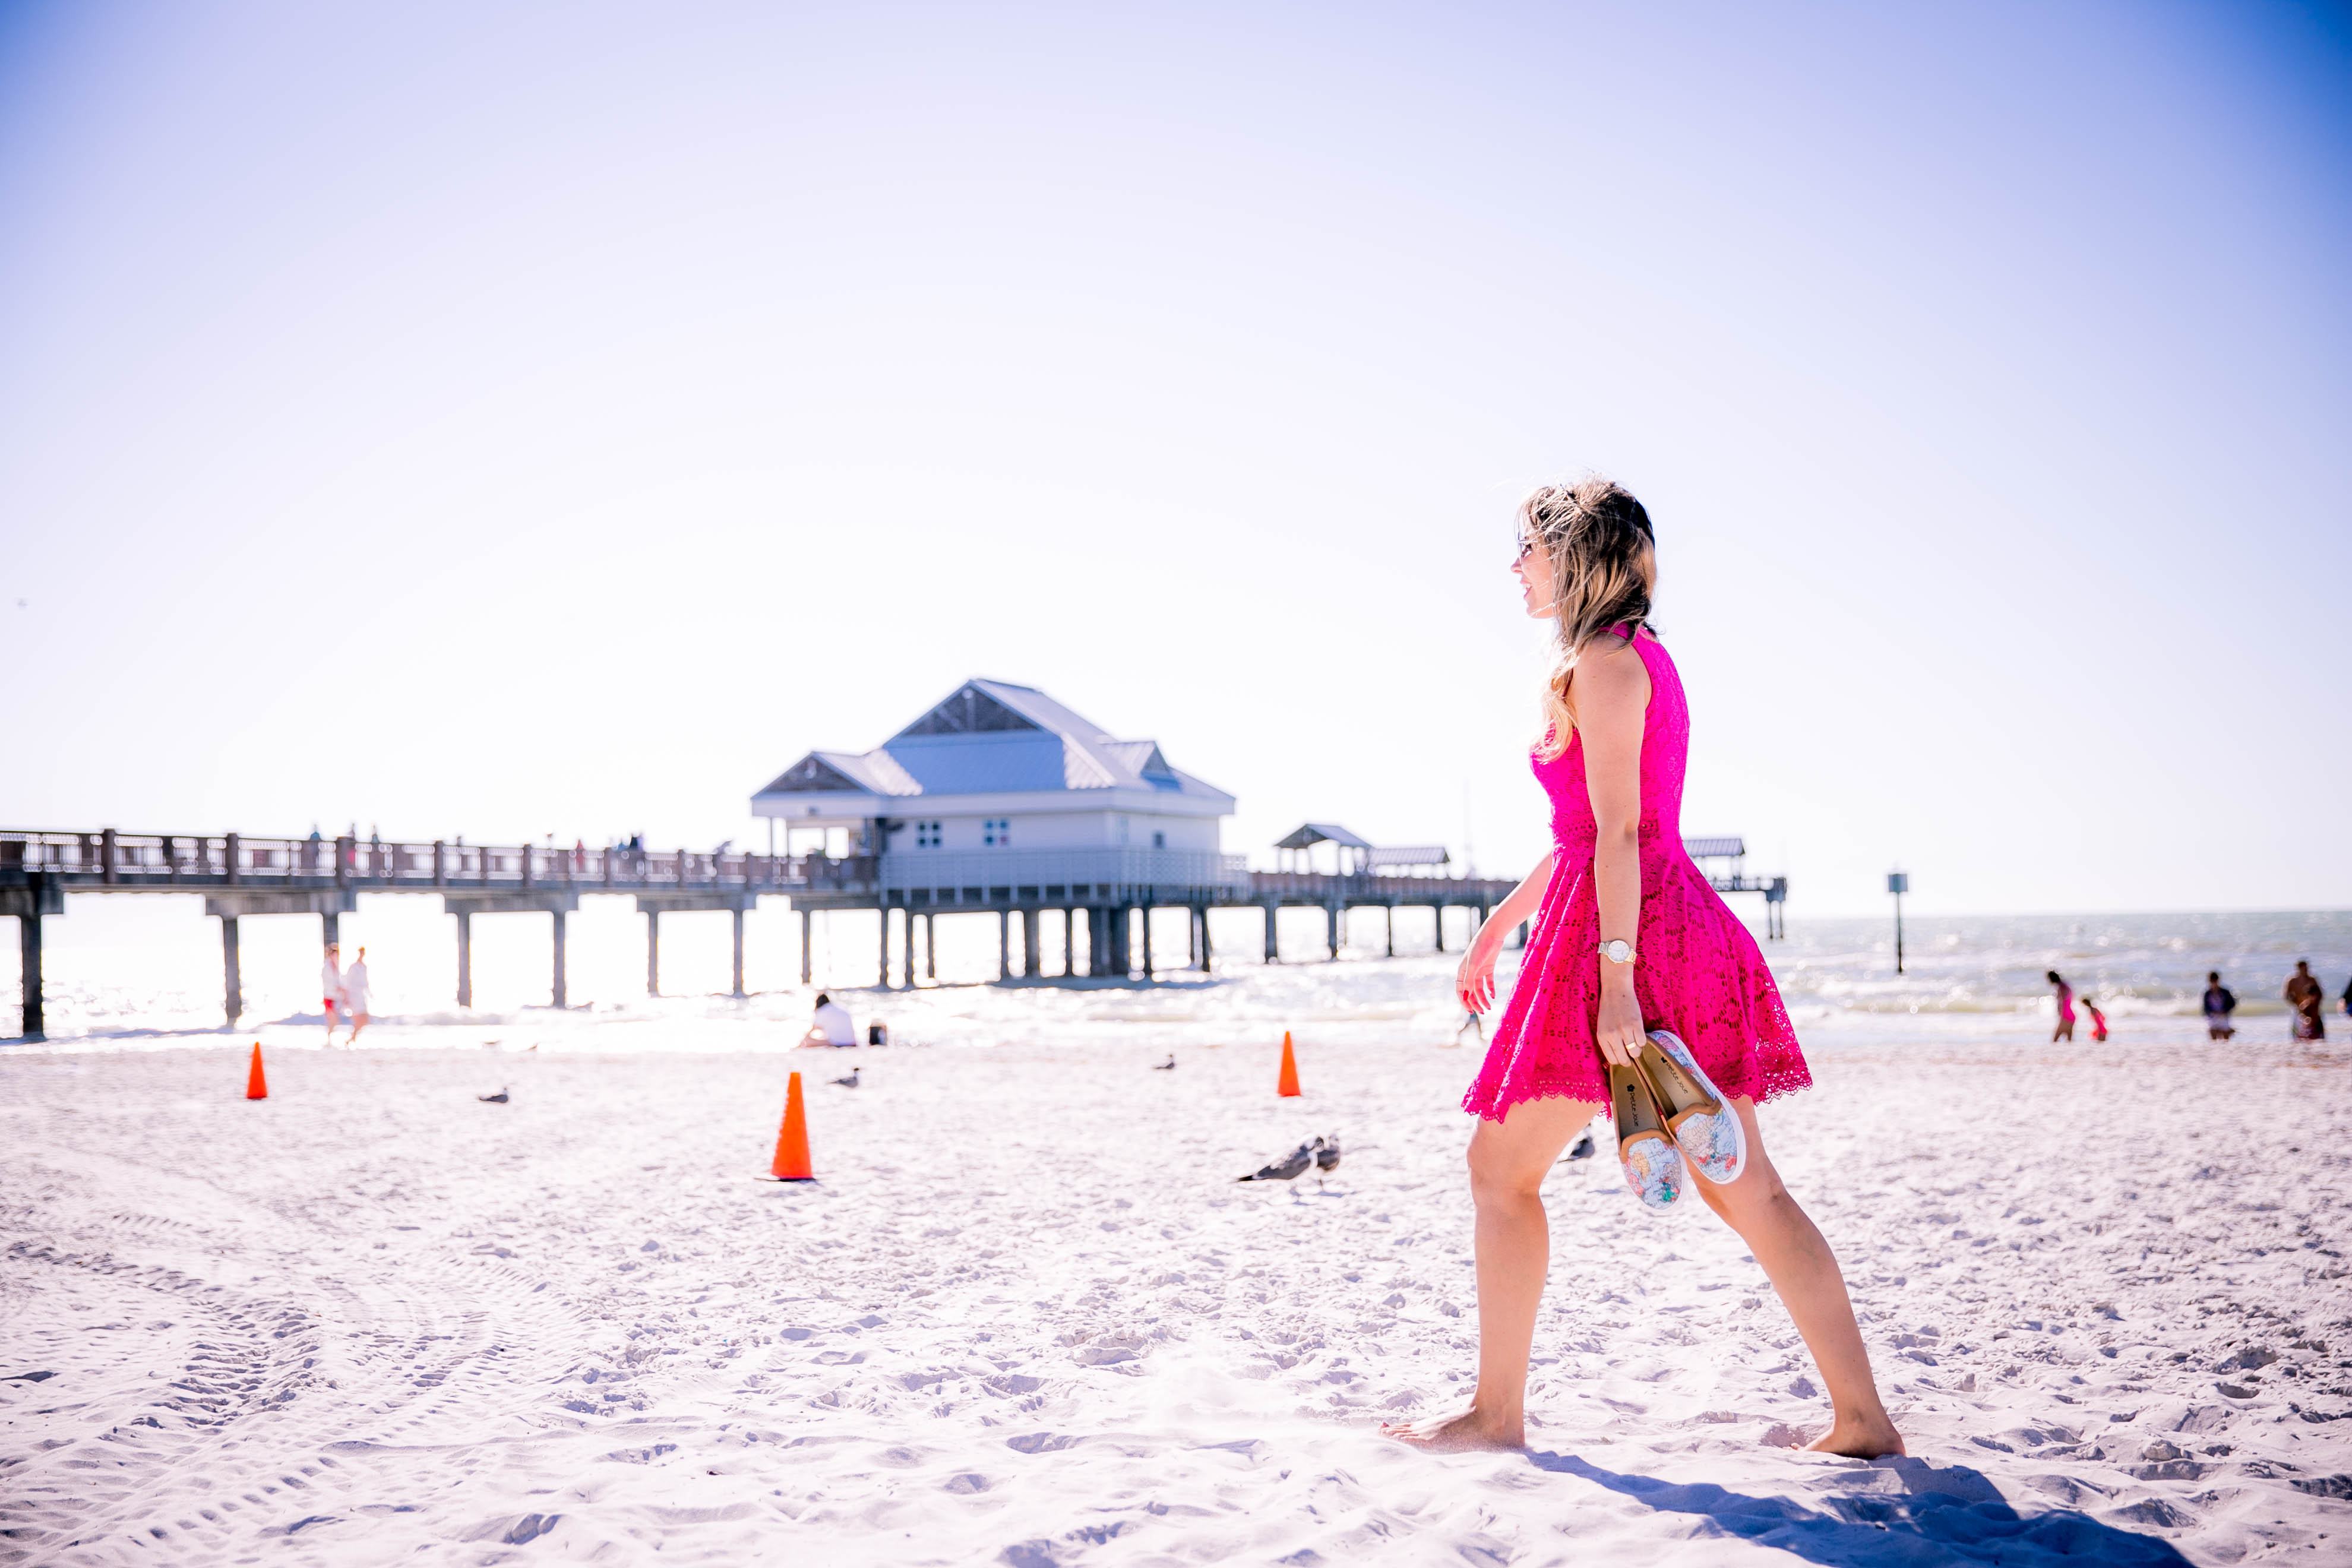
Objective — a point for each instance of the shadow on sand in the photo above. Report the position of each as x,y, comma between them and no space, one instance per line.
1943,1513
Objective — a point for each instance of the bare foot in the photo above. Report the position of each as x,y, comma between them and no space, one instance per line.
1470,1429
1876,1439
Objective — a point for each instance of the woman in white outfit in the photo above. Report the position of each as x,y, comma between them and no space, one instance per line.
330,987
355,996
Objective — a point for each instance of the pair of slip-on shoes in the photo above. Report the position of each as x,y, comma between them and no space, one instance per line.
1671,1119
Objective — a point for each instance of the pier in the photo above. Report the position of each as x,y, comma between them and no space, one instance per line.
1099,892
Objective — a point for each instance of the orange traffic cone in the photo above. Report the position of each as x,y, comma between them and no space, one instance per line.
1287,1088
792,1161
256,1085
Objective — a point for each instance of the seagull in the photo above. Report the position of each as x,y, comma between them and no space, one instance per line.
1167,1066
851,1082
1289,1168
1327,1157
1583,1150
498,1098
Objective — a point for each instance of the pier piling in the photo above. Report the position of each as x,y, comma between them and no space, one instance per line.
464,956
558,992
28,943
232,974
738,915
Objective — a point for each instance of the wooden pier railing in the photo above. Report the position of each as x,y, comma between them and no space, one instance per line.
136,861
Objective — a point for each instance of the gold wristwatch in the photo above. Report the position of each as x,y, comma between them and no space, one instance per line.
1618,950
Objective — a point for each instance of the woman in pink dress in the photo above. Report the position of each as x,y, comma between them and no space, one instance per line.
1627,937
2066,995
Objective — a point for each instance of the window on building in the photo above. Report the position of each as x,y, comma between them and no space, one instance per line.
926,836
997,831
1160,841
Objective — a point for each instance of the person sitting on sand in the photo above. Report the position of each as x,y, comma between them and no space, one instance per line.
2304,995
2065,1030
830,1025
1627,936
2220,1002
2098,1019
330,979
356,996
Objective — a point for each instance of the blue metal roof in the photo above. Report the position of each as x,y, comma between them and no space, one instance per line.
991,737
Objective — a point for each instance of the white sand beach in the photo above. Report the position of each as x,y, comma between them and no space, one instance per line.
1026,1315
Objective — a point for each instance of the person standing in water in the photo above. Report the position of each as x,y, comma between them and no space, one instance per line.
2220,1002
2065,993
2304,995
331,981
1627,935
356,996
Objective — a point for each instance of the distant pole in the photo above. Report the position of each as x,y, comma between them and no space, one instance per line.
1898,883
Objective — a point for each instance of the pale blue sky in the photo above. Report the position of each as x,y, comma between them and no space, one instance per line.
504,420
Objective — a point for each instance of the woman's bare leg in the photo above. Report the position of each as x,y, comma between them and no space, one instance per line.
1804,1271
1509,1162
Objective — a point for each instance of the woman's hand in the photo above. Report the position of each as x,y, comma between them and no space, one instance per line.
1618,1031
1473,977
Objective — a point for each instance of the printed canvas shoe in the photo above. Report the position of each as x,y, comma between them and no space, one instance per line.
1652,1165
1699,1120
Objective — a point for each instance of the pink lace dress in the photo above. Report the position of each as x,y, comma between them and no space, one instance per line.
1697,970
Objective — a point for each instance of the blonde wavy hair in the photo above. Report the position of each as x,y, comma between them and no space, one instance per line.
1604,569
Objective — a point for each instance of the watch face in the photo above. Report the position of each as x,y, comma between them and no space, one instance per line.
1619,951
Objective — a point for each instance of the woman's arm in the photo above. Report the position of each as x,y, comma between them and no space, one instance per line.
1473,977
1609,694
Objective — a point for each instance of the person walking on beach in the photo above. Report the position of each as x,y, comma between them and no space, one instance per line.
1627,936
356,996
2098,1019
2220,1002
2065,1030
331,983
2304,995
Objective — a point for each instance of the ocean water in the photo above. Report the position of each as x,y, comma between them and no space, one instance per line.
126,972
